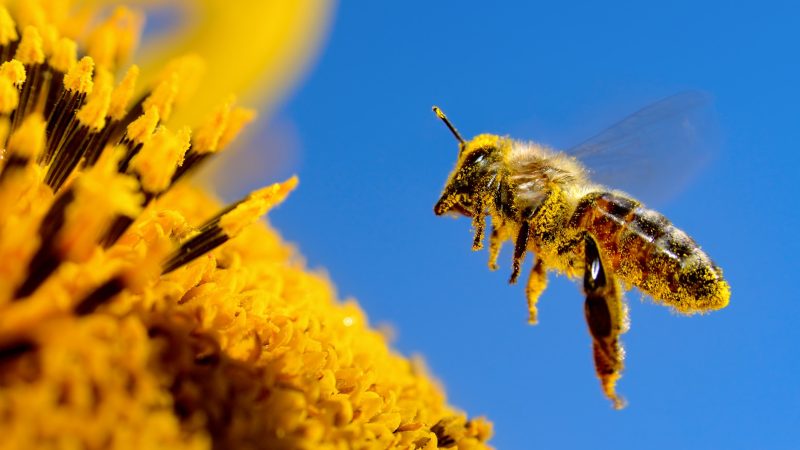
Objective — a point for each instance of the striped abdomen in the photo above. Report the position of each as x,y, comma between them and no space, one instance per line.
647,251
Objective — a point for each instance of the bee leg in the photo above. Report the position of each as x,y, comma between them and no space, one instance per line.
519,250
494,246
605,315
479,225
537,282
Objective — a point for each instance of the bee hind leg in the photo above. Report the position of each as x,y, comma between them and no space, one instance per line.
537,282
606,317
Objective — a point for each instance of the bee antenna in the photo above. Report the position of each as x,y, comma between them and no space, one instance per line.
453,130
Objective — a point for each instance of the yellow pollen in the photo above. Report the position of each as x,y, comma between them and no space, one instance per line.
28,140
30,13
113,41
140,130
65,55
102,79
239,117
129,202
93,113
121,96
49,38
184,140
256,205
30,50
159,157
206,137
100,195
9,96
79,77
190,70
163,96
8,29
14,71
102,46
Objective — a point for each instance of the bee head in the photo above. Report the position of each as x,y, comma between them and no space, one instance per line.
472,184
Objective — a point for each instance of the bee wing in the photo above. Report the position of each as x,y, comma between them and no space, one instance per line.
653,153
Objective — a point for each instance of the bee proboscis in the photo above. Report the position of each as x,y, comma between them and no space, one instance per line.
545,202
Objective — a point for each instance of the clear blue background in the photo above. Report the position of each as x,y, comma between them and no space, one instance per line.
373,158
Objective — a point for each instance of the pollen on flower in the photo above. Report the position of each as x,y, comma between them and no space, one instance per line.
30,50
79,76
138,312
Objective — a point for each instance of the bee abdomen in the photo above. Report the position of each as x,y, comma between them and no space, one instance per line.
647,251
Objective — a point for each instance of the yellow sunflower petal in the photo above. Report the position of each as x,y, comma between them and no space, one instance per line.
254,50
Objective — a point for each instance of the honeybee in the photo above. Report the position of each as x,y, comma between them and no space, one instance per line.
546,203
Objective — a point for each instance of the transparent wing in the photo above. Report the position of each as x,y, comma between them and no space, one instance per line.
653,153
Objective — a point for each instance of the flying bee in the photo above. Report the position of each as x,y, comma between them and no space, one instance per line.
545,202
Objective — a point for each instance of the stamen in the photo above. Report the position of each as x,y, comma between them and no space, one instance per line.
189,69
140,130
79,217
229,223
206,137
30,13
93,113
9,96
123,93
14,71
206,140
113,41
45,261
25,144
8,29
28,140
238,119
159,157
61,124
91,120
79,77
163,96
49,38
30,50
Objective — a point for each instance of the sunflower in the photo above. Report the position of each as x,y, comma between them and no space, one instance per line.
135,311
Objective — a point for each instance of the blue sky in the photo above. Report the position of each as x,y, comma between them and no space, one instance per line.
373,158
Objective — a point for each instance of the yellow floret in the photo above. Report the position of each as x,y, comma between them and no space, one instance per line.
160,156
14,71
142,128
79,77
8,29
64,55
163,96
28,140
93,113
122,94
30,50
9,96
256,205
189,70
100,195
206,137
113,41
238,118
49,38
